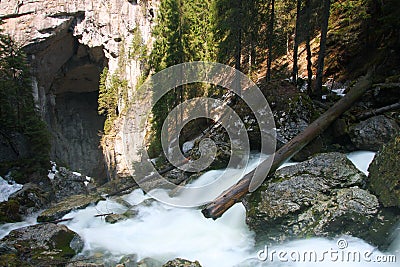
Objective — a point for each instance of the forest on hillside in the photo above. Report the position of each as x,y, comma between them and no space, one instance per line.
306,41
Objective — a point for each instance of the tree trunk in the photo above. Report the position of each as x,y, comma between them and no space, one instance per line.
296,43
378,111
308,47
270,39
238,47
322,48
236,192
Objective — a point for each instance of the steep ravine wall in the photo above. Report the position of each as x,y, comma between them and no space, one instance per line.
68,43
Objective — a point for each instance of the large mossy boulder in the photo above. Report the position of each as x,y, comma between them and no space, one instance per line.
318,197
40,245
384,174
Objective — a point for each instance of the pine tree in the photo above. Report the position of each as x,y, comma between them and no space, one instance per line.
17,109
168,50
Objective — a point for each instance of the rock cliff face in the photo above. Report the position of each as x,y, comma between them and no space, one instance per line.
68,43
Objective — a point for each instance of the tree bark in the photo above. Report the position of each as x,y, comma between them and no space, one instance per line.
270,39
308,47
322,48
296,43
236,192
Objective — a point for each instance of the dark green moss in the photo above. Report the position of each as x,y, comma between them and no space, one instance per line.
9,211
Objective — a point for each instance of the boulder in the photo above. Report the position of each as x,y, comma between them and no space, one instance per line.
372,133
58,210
114,218
178,262
67,183
31,198
40,245
384,174
318,197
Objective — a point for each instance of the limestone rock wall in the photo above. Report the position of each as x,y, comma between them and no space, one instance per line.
68,43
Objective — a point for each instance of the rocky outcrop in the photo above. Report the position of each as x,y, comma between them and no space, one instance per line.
40,245
178,262
13,146
57,211
384,174
68,43
372,133
67,183
318,197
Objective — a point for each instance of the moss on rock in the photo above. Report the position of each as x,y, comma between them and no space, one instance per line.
39,245
384,174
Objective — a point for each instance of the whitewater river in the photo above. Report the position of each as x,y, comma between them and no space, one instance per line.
164,232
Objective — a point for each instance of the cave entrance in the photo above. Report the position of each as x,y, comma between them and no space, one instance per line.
74,121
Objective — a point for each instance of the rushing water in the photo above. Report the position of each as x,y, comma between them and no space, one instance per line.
7,188
164,232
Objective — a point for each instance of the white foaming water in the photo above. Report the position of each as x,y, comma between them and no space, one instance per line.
164,232
361,159
7,189
6,228
208,186
345,251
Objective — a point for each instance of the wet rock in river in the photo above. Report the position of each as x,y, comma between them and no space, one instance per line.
40,245
384,174
58,210
178,262
31,198
318,197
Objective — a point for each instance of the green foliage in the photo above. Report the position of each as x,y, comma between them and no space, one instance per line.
17,109
110,90
201,44
138,49
168,48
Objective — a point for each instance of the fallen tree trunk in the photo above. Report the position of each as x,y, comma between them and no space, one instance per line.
236,192
378,111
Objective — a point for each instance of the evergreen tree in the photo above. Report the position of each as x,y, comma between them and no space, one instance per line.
168,50
199,34
17,109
